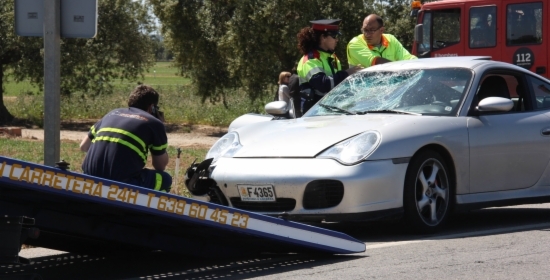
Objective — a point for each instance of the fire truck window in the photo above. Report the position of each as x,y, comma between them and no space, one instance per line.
541,90
446,28
524,24
425,46
483,27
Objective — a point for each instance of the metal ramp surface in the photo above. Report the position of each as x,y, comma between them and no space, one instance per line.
79,213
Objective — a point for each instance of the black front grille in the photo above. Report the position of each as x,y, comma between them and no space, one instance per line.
282,204
217,197
323,194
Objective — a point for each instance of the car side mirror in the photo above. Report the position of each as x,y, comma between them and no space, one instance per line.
279,109
495,104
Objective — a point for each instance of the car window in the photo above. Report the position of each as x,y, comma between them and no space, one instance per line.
541,90
427,92
505,86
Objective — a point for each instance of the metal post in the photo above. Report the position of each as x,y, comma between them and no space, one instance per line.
52,72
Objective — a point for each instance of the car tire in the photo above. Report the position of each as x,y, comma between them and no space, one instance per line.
427,192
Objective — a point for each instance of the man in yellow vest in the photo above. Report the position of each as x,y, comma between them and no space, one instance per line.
373,46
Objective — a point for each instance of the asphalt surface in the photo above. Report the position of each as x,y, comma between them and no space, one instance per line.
495,243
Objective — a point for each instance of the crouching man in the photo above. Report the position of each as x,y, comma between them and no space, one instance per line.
117,145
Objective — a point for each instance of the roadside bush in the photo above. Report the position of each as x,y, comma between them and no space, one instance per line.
179,102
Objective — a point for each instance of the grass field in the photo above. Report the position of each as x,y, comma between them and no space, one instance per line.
33,151
178,101
16,89
162,74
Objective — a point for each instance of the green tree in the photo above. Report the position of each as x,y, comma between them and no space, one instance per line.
12,50
122,49
397,19
158,47
161,52
228,44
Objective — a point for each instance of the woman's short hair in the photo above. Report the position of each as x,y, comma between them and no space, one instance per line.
282,77
142,97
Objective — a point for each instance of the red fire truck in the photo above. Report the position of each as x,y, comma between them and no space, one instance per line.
514,31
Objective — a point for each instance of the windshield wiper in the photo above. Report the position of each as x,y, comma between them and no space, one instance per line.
389,112
337,109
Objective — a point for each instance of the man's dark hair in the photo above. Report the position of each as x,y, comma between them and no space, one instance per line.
142,97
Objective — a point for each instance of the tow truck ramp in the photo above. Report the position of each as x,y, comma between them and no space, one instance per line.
78,213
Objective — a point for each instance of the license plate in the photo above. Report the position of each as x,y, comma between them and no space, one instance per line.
257,193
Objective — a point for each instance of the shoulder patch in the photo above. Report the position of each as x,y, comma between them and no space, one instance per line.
314,54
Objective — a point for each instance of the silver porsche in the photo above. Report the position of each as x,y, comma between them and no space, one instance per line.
414,140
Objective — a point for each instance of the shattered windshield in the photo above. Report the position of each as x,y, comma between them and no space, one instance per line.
418,92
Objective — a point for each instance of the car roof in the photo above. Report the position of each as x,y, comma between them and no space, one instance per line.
470,62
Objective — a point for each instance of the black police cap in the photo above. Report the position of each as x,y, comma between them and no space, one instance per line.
326,25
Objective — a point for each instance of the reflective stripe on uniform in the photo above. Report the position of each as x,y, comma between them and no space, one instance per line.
159,148
320,93
123,142
331,81
92,130
307,68
124,132
158,181
313,71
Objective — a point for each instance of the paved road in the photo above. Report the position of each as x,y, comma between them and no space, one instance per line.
496,243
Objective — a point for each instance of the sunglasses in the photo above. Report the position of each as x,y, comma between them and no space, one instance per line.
333,35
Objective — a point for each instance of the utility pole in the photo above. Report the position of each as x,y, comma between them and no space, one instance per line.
52,73
52,19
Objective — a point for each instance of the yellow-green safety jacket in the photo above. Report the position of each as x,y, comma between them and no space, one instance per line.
360,52
321,71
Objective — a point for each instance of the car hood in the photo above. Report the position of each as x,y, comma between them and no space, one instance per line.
307,137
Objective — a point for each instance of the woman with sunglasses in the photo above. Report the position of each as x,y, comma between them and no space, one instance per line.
319,69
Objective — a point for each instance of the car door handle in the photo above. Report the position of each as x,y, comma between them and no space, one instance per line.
545,131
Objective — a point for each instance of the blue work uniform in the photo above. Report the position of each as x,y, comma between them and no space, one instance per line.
121,141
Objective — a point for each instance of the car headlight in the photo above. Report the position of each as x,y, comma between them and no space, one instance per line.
226,146
355,149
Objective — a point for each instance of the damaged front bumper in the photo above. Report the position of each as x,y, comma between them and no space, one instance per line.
370,189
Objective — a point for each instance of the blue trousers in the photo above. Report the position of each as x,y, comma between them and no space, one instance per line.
152,179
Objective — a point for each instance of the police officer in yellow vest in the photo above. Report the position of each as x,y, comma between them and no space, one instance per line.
373,46
319,69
